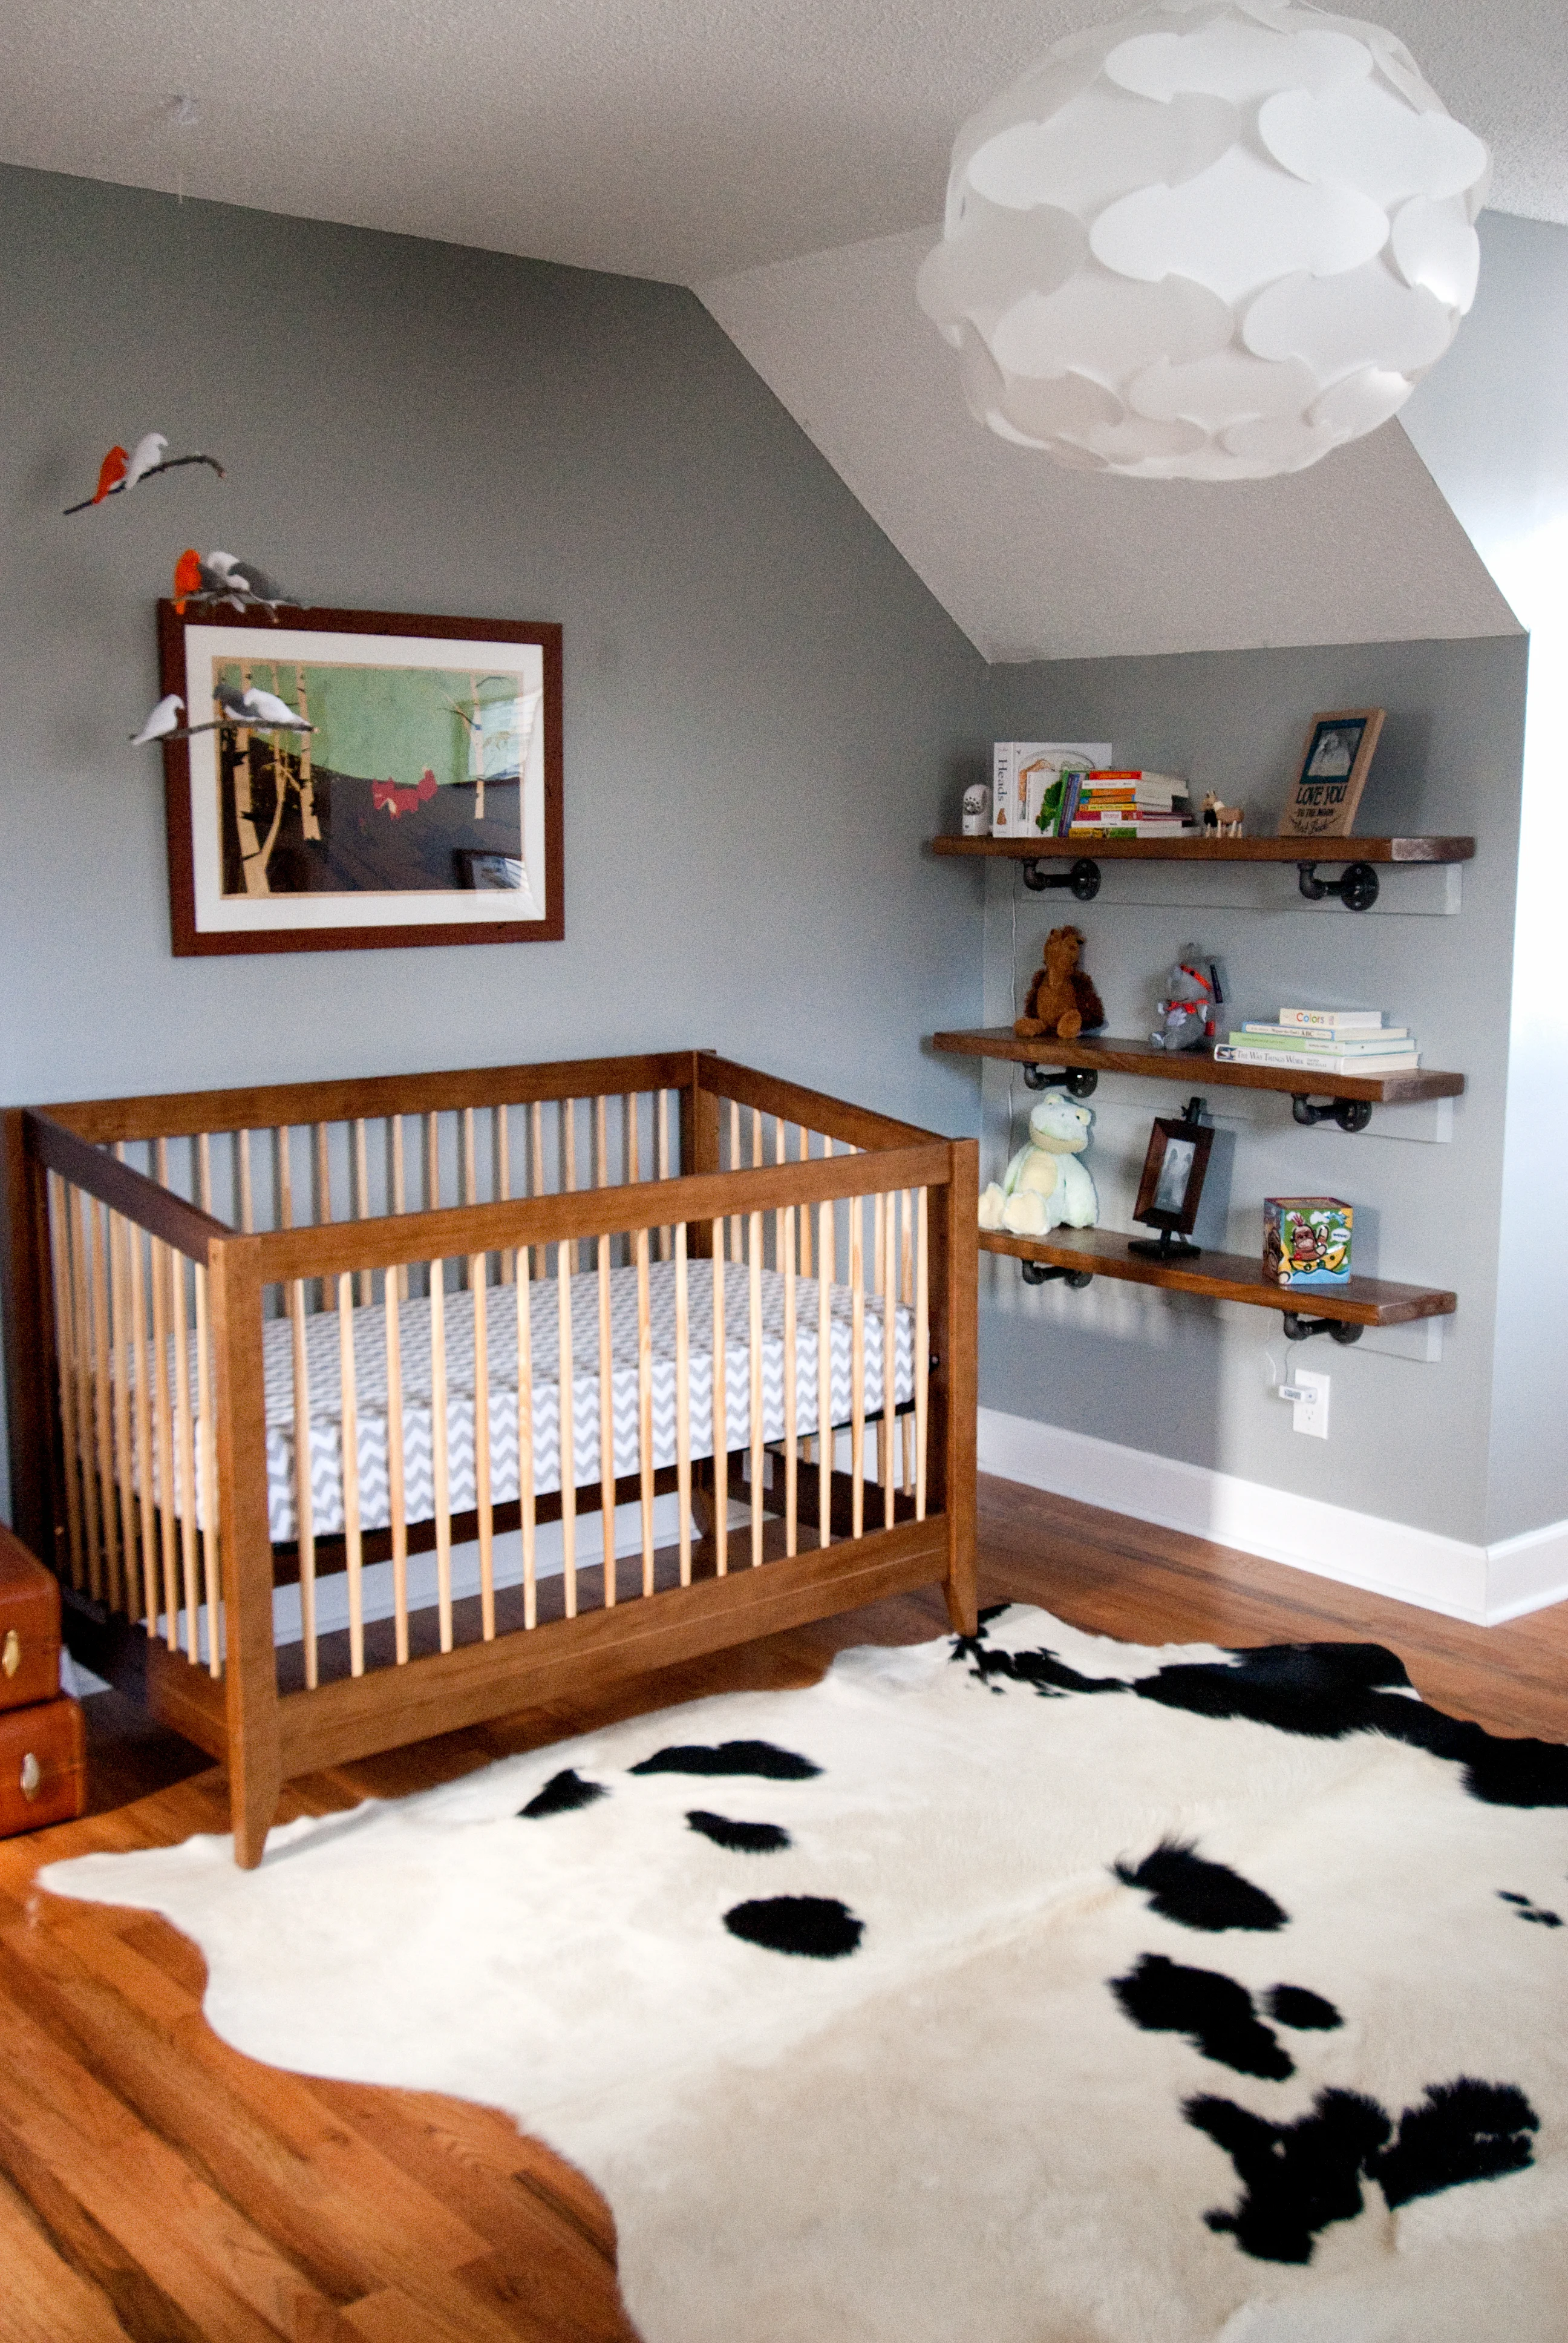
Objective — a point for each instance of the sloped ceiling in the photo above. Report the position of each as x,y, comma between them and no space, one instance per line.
1036,562
684,139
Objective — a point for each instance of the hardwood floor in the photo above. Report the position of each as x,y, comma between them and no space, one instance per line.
157,2186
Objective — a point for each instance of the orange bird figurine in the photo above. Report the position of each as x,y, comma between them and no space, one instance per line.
188,578
111,473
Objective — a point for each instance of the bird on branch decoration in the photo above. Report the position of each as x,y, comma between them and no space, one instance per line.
120,471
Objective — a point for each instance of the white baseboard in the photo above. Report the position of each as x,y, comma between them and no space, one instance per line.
1486,1585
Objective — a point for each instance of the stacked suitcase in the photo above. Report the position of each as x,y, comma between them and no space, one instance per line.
43,1745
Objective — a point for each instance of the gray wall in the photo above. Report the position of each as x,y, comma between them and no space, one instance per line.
1408,1436
1491,426
766,713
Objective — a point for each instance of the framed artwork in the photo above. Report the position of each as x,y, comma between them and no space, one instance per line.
1335,767
418,803
1171,1187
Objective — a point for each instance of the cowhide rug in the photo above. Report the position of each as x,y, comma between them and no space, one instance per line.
1031,1990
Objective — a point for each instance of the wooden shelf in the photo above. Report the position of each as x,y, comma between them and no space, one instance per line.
1219,849
1224,1277
1099,1054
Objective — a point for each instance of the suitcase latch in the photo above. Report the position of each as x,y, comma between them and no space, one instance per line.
11,1652
32,1776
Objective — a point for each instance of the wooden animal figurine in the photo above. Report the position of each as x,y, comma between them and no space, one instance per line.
1061,999
1221,820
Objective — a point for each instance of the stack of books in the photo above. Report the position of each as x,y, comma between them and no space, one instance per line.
1324,1041
1128,802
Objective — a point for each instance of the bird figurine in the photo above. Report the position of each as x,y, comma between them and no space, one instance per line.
223,578
120,471
163,724
255,711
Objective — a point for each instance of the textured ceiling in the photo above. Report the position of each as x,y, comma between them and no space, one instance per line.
1036,562
683,139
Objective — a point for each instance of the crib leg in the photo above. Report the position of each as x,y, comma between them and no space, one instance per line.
253,1796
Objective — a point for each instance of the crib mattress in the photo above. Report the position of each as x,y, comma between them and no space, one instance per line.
324,1382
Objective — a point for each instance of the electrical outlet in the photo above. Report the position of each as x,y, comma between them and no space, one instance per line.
1309,1397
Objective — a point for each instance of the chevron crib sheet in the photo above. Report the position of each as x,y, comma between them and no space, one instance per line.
323,1368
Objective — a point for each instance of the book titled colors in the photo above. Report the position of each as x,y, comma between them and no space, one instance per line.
1336,1020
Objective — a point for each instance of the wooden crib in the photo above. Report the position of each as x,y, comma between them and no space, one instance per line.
326,1385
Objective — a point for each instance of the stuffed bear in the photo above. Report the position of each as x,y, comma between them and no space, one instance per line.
1045,1186
1061,999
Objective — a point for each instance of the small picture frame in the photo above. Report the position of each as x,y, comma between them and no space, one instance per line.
1171,1187
1335,762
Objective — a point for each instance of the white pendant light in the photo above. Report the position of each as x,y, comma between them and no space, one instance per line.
1210,242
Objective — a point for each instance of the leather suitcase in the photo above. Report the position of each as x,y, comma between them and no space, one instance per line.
29,1627
42,1765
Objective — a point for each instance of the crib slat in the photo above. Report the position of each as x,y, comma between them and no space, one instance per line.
906,1295
362,1200
605,1405
247,1195
82,1306
568,1447
323,1182
734,1166
304,1495
754,1359
568,1114
119,1272
825,1439
349,1418
102,1398
484,1504
143,1370
720,1443
633,1174
397,1485
470,1165
400,1195
537,1175
206,1467
922,1350
856,1369
433,1163
791,1459
525,1437
65,1352
682,1401
502,1140
880,1229
662,1134
185,1444
889,1360
163,1437
203,1169
440,1461
645,1408
805,1210
601,1143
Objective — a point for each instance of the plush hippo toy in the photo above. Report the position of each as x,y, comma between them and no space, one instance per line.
1045,1186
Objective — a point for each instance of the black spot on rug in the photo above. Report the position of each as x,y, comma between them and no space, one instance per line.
818,1926
563,1793
1213,2012
1181,1886
1321,1691
760,1759
742,1838
1298,2177
1298,2006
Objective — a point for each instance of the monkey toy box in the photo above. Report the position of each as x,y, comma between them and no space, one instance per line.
1307,1241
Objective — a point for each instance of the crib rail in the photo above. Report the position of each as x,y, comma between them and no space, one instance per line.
159,1251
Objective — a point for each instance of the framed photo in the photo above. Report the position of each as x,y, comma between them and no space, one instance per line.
1335,767
422,805
1171,1187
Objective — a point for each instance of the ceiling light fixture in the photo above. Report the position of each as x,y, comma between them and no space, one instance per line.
1210,242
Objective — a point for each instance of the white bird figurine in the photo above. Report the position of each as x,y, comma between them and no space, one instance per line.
258,710
220,577
164,720
147,456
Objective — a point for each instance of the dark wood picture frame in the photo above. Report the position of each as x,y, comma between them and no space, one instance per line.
188,940
1325,806
1177,1220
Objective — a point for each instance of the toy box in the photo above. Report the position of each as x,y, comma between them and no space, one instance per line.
1307,1241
